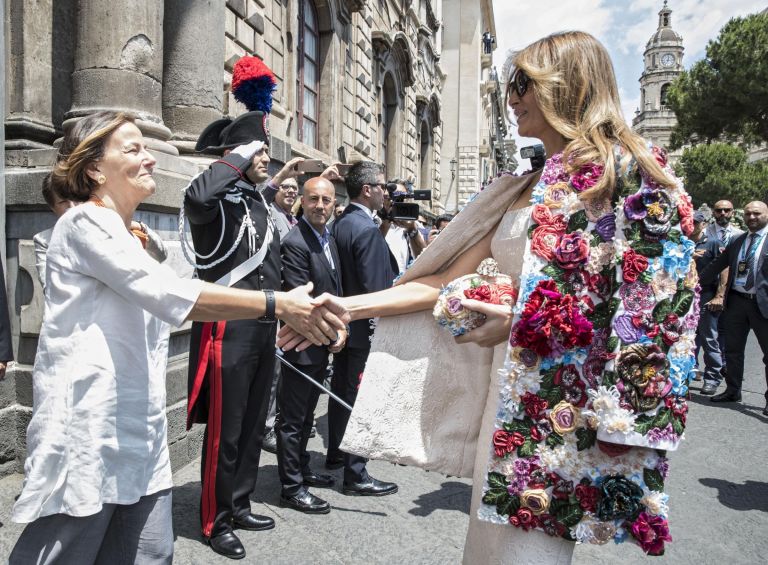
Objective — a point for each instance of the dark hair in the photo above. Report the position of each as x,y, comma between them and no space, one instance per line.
48,195
443,218
83,145
364,172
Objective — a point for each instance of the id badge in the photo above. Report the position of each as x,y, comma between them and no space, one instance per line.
742,269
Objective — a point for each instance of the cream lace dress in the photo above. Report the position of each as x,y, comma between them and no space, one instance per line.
487,542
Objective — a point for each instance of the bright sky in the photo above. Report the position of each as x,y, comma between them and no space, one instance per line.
623,26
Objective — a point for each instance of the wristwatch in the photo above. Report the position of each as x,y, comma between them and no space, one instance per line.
412,233
269,295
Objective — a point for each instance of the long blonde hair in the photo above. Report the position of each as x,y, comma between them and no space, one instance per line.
83,145
575,87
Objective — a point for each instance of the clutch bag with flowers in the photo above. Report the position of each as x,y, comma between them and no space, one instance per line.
486,285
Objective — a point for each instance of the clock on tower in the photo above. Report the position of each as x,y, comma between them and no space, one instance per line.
667,59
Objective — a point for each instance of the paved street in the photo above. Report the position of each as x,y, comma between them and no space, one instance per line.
718,488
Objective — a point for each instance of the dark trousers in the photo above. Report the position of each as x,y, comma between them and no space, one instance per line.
238,382
707,340
741,316
348,368
296,400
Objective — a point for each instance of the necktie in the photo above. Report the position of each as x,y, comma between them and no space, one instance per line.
723,237
327,250
750,282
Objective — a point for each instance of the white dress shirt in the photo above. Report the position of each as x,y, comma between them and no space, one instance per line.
98,429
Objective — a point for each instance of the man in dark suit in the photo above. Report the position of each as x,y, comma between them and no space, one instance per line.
309,255
366,266
746,298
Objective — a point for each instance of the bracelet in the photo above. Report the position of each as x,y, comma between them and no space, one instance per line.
269,295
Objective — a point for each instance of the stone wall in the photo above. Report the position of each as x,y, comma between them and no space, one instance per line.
170,62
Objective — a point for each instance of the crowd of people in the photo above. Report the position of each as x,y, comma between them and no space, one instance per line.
594,359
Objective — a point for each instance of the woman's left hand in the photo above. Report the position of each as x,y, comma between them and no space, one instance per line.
496,328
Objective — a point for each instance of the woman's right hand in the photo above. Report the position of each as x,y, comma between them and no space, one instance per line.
319,323
496,328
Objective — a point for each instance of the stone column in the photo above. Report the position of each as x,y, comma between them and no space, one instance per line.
119,64
193,68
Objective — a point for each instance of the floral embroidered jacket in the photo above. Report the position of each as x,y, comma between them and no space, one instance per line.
600,355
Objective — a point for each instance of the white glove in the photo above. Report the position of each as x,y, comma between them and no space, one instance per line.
248,150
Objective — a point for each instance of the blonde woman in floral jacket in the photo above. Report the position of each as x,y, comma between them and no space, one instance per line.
595,356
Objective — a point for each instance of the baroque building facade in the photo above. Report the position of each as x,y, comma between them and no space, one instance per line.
364,75
663,63
474,145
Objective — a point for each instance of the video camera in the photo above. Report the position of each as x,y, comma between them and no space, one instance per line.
536,154
402,210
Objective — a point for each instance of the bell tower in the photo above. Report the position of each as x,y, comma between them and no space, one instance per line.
663,63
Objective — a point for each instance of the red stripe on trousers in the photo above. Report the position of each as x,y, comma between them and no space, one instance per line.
202,366
208,498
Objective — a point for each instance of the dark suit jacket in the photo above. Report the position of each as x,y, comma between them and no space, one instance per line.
6,350
367,265
730,258
305,261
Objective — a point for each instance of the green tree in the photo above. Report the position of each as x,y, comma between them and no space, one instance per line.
725,95
719,170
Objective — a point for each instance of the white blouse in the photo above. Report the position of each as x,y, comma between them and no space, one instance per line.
98,429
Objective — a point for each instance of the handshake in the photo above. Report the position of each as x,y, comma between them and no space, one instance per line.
311,321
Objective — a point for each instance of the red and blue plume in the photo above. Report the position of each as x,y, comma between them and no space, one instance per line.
253,83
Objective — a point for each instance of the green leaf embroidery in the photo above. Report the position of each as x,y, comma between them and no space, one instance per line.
551,395
613,344
596,240
662,310
586,438
578,221
609,378
632,233
677,425
554,439
682,302
508,506
497,480
527,449
674,236
548,377
603,312
648,248
530,230
663,418
517,426
653,480
555,273
495,495
569,515
643,424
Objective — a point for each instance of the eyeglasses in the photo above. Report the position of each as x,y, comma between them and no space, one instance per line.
288,188
723,210
381,185
519,83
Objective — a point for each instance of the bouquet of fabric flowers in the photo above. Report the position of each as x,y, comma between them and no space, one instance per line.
486,285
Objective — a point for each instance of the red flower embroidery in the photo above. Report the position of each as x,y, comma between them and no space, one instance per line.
551,322
633,265
505,442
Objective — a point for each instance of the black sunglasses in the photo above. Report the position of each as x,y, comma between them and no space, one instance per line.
519,83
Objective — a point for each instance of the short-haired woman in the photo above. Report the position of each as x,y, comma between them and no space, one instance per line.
97,484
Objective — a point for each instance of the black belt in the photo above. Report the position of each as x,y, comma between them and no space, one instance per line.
745,295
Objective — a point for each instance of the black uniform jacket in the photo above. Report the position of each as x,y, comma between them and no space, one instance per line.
216,200
304,261
367,265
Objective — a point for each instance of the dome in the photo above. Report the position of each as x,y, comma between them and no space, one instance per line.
664,35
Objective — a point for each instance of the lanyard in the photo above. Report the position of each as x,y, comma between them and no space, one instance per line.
749,250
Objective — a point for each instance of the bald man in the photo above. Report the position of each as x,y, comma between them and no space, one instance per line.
746,298
309,254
